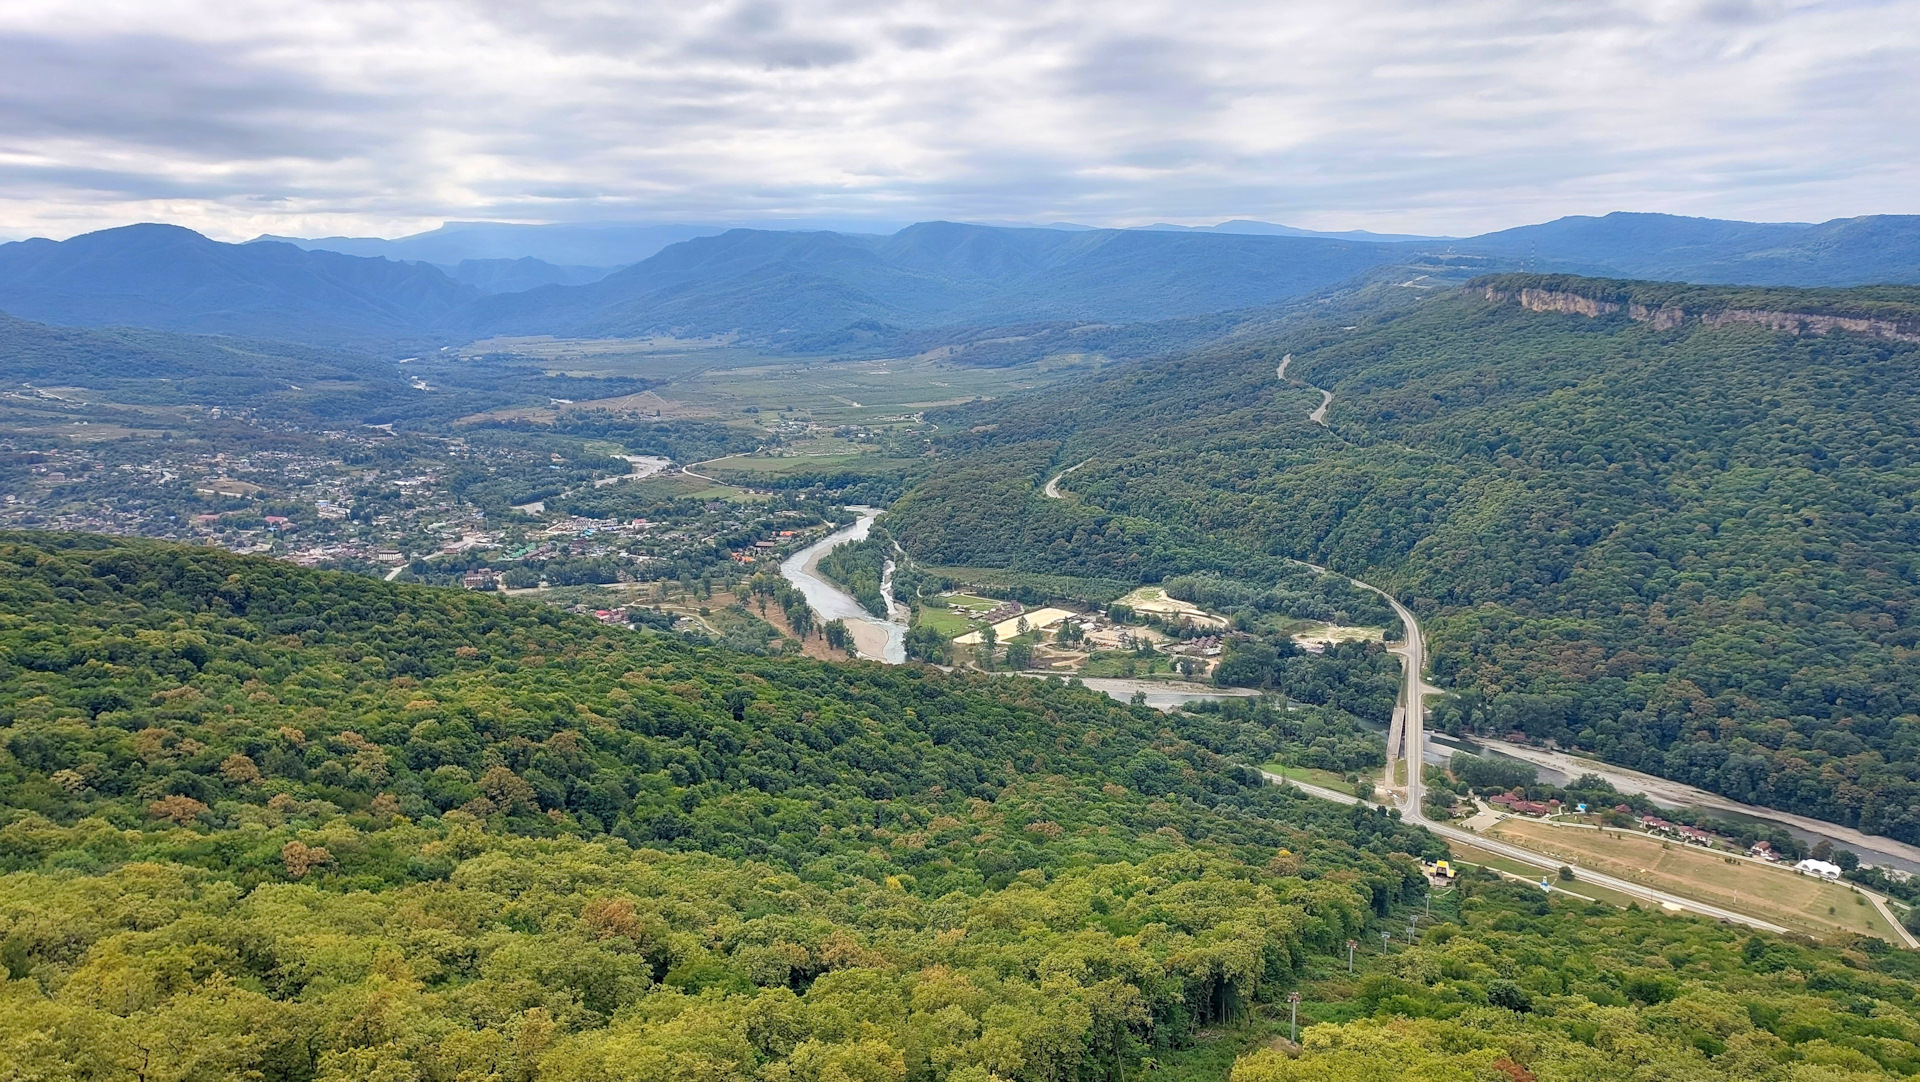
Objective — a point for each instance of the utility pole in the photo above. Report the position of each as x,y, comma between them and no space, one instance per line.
1293,1016
1350,945
1384,936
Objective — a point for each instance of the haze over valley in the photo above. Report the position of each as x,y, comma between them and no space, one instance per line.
803,543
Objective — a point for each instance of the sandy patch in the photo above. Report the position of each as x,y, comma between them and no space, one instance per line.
1155,600
1041,619
1332,633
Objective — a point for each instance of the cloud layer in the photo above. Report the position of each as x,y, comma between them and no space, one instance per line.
241,116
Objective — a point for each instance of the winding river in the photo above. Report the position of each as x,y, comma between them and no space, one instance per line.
881,640
886,640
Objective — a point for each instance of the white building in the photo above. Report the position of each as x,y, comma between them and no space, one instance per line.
1821,868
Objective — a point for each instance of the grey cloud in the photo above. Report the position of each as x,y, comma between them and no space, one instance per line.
184,97
1334,113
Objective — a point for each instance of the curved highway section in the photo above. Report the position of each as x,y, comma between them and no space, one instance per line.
1413,696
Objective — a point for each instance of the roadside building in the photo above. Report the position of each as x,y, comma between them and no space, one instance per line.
1822,869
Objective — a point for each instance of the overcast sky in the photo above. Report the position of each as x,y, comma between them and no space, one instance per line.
1446,116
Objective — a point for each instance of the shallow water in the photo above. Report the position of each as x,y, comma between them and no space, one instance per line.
880,640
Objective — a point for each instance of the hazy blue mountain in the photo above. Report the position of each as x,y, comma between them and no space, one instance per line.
587,244
1845,251
775,284
170,278
576,244
516,275
831,291
1269,229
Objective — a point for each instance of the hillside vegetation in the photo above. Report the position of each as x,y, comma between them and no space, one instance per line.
1687,549
500,825
273,823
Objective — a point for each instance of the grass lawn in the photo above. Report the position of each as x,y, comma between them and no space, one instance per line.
1473,854
944,621
1776,894
973,601
1325,779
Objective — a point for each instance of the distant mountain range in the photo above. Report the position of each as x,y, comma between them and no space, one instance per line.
169,278
1877,249
832,291
776,285
1268,229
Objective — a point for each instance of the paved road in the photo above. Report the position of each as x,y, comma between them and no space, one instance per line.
1052,490
1415,689
1873,848
1544,863
1414,692
1319,415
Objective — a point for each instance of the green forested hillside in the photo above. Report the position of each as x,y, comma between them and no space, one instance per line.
285,821
1690,550
263,822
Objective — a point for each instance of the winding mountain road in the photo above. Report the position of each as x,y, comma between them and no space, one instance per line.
1052,489
1319,415
1414,692
1408,742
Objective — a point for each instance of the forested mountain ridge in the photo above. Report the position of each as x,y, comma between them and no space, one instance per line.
283,381
604,850
169,278
832,292
1841,252
1686,548
769,285
265,822
156,366
1875,311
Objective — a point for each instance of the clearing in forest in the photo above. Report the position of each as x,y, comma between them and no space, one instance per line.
1773,893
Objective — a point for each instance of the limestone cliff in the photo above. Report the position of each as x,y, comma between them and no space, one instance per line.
1668,316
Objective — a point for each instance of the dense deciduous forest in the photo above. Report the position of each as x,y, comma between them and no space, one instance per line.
569,817
1687,549
267,822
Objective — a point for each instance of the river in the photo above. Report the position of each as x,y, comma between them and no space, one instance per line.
886,640
881,640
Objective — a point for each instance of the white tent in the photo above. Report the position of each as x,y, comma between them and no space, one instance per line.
1821,868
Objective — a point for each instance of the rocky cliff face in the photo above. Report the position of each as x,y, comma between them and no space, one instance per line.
1809,323
1669,317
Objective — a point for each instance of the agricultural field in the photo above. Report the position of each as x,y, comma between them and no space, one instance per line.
787,465
1464,854
714,378
1776,894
